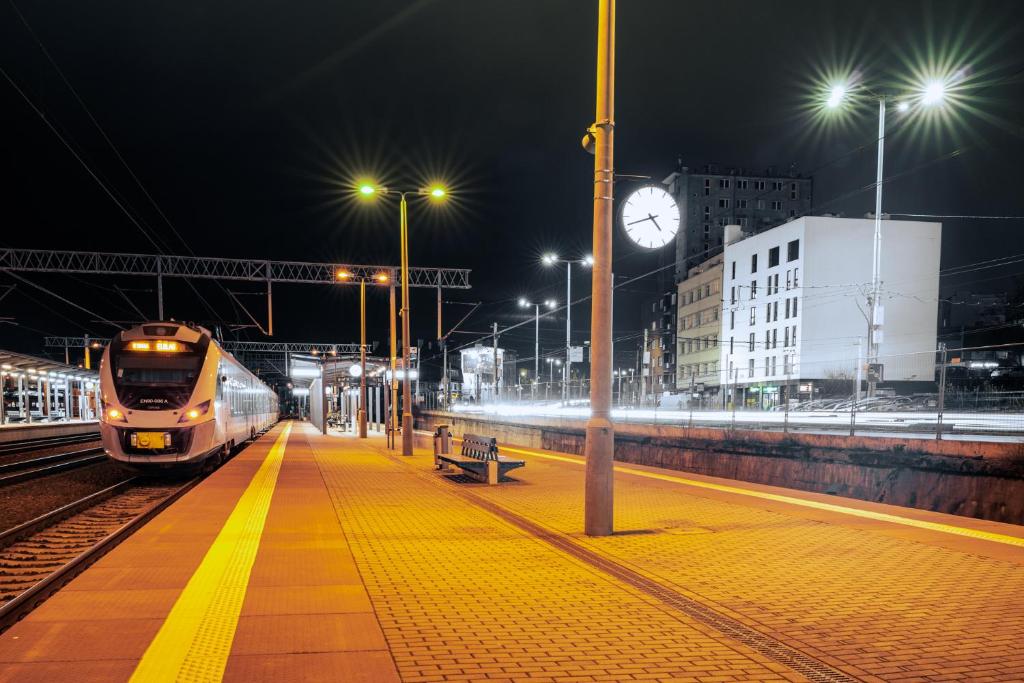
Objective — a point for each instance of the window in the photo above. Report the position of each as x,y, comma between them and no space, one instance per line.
733,271
714,340
796,277
732,293
789,279
731,345
792,213
793,251
776,288
775,306
773,364
723,183
787,364
773,257
753,263
714,313
753,315
793,335
750,345
741,203
707,289
787,307
777,185
723,221
785,337
775,337
768,312
732,319
758,184
707,212
760,203
741,221
707,230
750,368
767,339
794,306
707,187
723,203
776,205
753,289
742,184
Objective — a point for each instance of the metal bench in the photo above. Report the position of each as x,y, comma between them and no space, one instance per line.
478,459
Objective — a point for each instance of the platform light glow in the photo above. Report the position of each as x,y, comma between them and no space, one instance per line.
836,96
934,93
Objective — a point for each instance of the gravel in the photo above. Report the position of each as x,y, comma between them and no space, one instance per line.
29,499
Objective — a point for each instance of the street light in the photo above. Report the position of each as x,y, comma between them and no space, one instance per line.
550,260
436,193
523,303
932,94
381,278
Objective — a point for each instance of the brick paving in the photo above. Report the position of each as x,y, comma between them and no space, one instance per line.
878,603
462,595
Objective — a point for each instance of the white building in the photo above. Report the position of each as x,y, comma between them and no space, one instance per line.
795,307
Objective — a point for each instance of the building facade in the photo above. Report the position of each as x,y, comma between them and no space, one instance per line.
794,319
713,197
699,322
658,370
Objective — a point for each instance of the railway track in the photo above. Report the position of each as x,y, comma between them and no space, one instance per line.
40,556
24,445
24,470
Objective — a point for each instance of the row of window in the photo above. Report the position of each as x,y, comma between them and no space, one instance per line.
701,292
771,285
744,184
792,254
689,322
699,369
696,344
771,339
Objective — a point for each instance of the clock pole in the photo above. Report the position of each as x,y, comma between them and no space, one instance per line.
600,435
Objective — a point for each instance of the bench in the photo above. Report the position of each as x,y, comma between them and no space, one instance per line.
479,459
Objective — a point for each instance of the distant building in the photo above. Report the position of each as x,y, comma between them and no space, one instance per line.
699,321
658,367
477,366
794,310
716,196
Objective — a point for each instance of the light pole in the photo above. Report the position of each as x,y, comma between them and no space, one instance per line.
436,193
348,277
599,448
550,260
932,94
523,303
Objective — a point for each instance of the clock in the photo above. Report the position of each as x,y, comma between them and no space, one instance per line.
650,216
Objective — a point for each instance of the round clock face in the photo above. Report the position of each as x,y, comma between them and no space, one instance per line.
650,216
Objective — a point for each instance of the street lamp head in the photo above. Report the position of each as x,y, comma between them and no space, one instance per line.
903,106
934,93
438,192
550,303
523,303
549,259
343,275
588,260
836,96
366,189
381,277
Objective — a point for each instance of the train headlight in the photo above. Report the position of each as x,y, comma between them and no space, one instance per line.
196,412
114,414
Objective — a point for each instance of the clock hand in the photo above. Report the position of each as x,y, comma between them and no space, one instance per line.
641,220
654,221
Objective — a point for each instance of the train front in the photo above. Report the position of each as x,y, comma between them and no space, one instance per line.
158,384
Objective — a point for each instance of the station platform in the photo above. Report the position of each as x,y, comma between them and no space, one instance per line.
44,430
311,557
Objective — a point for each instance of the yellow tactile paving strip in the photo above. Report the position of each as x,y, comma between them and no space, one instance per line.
196,637
462,595
878,606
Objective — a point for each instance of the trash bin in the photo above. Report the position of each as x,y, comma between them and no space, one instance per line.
442,440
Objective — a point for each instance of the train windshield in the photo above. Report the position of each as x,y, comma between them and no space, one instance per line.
146,378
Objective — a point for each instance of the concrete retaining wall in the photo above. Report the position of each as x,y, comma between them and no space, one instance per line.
971,478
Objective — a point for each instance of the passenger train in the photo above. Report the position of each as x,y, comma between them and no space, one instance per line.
173,399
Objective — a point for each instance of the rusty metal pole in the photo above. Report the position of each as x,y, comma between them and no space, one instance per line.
362,358
600,435
394,376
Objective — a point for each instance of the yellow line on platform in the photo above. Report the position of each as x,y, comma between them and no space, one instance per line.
817,505
195,640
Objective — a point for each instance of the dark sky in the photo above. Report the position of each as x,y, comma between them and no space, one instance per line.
247,121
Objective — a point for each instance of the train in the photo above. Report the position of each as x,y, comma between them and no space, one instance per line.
173,400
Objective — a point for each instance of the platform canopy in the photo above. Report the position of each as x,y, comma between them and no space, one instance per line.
20,364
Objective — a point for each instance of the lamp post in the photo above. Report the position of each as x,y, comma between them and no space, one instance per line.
382,278
523,303
550,260
599,447
436,193
931,94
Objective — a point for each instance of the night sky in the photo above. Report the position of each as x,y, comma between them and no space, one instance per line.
247,123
